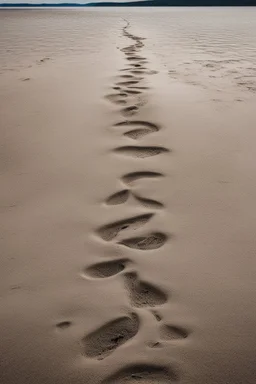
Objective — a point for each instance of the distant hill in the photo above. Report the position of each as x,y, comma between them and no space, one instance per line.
141,3
178,3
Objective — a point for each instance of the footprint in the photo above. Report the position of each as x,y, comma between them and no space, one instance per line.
106,268
101,343
129,49
125,70
140,152
152,72
136,134
130,178
136,58
153,240
127,76
63,325
131,53
128,83
145,124
117,98
144,72
143,374
131,92
143,294
138,72
149,203
118,197
110,231
138,87
136,65
130,111
172,332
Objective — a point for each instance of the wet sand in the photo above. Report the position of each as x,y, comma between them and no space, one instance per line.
127,222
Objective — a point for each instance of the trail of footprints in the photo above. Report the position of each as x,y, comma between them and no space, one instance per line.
102,342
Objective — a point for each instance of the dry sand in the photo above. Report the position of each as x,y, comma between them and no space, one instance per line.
127,227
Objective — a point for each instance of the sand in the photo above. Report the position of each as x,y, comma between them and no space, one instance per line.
127,225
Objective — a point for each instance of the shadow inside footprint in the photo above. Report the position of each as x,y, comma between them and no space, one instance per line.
106,268
172,332
118,197
139,124
110,231
130,178
117,98
153,240
140,152
143,374
103,341
143,294
149,203
130,111
136,134
64,325
132,92
128,83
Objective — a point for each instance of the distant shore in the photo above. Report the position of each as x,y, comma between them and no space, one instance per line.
147,3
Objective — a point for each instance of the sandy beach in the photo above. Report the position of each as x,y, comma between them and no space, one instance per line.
127,196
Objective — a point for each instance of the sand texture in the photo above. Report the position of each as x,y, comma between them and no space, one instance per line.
128,221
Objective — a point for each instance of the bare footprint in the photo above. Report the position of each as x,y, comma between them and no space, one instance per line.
138,72
138,87
143,374
110,231
130,178
132,92
128,83
136,134
130,49
118,197
103,341
63,325
125,70
127,76
130,111
143,294
141,152
136,65
136,58
106,268
153,240
139,124
149,203
132,53
143,72
117,98
173,332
